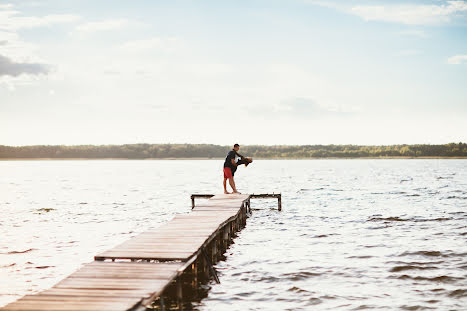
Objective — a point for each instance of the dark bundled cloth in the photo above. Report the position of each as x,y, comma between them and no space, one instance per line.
244,160
231,156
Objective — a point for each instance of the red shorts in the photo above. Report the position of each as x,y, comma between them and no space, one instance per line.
227,172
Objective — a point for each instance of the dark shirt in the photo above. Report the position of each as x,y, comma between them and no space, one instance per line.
228,160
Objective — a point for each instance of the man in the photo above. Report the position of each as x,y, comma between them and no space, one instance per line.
232,161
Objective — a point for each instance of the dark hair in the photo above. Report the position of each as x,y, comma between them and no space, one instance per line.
236,145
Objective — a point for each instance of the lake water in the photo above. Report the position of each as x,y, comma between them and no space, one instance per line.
353,234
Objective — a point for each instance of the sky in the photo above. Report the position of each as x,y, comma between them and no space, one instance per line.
268,72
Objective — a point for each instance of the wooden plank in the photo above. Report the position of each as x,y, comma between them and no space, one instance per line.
134,265
231,196
74,292
109,283
53,298
123,274
102,286
70,306
145,255
123,285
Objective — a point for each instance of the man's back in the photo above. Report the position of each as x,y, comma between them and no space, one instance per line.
228,159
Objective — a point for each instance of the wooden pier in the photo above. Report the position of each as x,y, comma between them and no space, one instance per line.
156,269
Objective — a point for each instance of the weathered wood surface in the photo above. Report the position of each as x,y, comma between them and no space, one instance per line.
96,286
183,236
115,286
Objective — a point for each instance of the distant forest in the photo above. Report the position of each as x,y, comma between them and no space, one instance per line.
146,151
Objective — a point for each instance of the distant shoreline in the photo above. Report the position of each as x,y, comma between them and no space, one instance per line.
209,151
203,159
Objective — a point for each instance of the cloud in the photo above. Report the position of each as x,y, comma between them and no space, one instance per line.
11,68
9,20
409,52
414,33
457,59
307,108
410,14
105,25
151,44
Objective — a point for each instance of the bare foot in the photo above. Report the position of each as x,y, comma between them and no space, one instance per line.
226,192
236,192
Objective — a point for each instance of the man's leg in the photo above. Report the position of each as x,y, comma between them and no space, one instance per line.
225,186
232,184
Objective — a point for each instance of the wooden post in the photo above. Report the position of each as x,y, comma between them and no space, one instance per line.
279,202
161,300
179,294
222,240
194,272
205,266
192,202
226,235
210,266
214,251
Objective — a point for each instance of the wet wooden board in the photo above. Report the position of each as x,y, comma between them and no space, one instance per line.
102,286
183,236
216,209
65,305
114,286
230,196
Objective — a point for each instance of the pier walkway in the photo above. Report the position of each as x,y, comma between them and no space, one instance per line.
155,264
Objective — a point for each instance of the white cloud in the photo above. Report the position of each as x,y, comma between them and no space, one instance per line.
6,6
9,67
12,21
414,33
105,25
151,44
19,60
409,52
457,59
308,108
410,14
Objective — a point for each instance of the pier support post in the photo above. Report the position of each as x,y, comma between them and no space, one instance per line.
226,236
279,202
204,267
179,294
214,250
210,266
194,272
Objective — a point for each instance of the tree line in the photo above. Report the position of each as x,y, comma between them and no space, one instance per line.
146,151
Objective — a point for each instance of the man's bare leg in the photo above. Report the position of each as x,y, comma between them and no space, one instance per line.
232,184
225,186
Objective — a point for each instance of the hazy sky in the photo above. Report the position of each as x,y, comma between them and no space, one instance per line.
253,72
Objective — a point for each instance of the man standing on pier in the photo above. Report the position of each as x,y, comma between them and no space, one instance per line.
232,161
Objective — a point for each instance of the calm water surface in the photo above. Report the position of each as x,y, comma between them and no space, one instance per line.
353,234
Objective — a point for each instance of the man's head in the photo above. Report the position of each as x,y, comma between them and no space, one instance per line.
236,147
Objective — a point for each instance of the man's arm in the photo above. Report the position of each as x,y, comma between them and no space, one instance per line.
239,155
233,162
